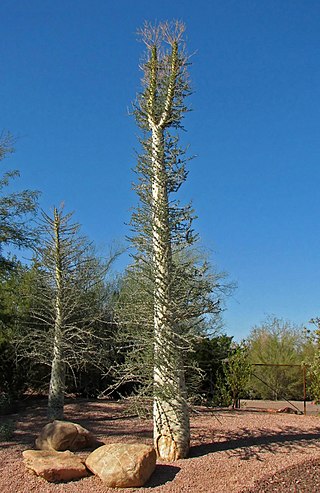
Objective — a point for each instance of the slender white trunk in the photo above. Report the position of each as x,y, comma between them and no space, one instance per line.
171,419
57,380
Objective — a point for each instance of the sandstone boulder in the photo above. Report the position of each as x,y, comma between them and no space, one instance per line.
123,465
62,435
55,466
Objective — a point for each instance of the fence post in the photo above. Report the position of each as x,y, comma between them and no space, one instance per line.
304,390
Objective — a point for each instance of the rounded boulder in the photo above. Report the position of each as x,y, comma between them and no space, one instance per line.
123,465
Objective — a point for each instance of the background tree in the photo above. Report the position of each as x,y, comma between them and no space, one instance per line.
237,372
174,286
16,208
312,359
68,303
210,352
277,341
16,230
14,373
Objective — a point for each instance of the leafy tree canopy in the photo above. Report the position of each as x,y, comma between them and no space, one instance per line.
16,208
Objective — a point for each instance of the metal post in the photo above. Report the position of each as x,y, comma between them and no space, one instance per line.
304,390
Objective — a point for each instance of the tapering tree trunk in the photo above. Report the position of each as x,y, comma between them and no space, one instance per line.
57,380
161,107
171,418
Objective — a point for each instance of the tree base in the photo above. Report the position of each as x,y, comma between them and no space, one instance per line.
169,450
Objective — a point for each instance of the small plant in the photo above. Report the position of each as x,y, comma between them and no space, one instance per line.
237,371
5,403
314,368
314,379
222,395
6,430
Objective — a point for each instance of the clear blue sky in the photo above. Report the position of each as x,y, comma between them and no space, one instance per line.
69,71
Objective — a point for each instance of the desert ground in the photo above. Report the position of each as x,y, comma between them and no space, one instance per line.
231,451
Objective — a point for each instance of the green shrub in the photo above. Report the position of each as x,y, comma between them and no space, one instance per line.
6,430
6,403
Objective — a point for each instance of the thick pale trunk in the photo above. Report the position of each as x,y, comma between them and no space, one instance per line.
57,380
170,414
171,419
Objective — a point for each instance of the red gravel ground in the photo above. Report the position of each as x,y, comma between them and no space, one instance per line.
231,452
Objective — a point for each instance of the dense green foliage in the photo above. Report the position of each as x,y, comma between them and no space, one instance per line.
17,373
123,364
313,373
203,353
237,371
209,356
16,209
278,342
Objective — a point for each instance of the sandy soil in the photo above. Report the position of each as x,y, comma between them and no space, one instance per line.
230,451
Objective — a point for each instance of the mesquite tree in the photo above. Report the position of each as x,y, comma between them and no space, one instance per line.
163,233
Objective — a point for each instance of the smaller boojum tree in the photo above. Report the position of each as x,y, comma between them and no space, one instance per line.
68,304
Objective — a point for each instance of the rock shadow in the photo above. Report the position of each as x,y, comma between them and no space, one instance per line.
162,474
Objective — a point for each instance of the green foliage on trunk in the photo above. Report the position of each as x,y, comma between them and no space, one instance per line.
135,316
160,224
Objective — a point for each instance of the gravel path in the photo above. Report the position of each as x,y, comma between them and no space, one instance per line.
231,452
304,478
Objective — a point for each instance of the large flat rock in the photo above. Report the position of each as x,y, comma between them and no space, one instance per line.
55,466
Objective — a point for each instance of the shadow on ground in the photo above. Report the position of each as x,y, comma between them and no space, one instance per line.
104,419
247,443
109,421
162,474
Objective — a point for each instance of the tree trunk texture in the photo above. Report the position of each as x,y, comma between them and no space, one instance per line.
57,380
171,419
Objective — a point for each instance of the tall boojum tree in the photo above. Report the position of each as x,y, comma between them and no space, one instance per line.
164,235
